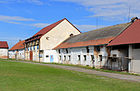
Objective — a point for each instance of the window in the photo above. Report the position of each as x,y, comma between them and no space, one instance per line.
31,48
34,47
79,57
100,57
87,49
37,46
71,35
92,58
66,50
69,57
114,55
59,51
64,58
85,58
59,57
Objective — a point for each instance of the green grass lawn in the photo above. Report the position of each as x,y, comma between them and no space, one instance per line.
15,76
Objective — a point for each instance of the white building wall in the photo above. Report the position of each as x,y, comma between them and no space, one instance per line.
12,54
50,56
74,53
17,54
21,54
3,53
57,35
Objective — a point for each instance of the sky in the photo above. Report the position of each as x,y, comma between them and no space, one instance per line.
21,19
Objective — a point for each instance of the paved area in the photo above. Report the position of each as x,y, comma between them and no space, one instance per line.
91,71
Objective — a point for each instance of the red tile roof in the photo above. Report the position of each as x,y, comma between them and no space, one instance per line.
3,44
19,45
47,29
85,43
130,36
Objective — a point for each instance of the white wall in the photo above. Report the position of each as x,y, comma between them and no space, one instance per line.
48,54
3,53
21,54
57,35
74,59
135,62
12,54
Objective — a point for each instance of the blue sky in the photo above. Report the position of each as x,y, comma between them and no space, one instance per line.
20,19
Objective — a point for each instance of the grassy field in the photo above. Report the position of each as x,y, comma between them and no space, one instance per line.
32,77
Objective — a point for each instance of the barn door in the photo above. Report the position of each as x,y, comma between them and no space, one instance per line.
31,55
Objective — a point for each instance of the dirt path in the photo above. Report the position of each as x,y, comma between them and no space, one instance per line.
90,71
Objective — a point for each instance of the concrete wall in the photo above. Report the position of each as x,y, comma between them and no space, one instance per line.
3,53
57,35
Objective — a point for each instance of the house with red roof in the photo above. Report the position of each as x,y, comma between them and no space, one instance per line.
4,49
40,47
126,47
90,48
18,51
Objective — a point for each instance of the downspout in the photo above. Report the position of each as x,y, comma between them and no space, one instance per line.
39,50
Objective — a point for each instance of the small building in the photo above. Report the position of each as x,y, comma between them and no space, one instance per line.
90,48
18,51
40,46
3,49
126,47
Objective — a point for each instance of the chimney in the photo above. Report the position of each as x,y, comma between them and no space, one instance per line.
134,19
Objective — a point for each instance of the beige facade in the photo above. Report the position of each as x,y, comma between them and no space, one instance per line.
37,50
57,35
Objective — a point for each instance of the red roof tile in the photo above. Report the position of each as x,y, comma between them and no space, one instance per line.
85,43
3,44
19,45
47,29
130,36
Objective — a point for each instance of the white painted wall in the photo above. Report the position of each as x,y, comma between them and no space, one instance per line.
21,54
17,54
48,54
57,35
74,59
135,62
12,54
3,52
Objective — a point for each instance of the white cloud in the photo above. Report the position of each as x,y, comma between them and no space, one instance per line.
40,25
14,19
110,9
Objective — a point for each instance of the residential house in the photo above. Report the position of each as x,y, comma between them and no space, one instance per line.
18,51
90,48
3,49
40,46
126,47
